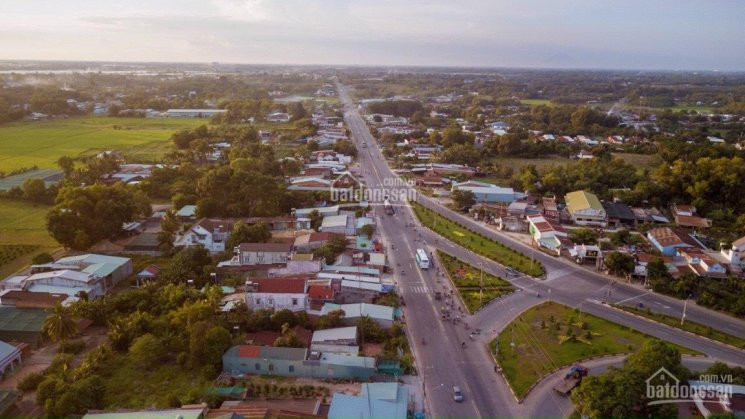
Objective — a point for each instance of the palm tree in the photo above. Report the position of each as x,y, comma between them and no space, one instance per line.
61,324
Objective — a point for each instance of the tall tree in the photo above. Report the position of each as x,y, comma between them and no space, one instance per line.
61,323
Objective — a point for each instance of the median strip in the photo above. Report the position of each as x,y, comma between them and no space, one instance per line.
476,242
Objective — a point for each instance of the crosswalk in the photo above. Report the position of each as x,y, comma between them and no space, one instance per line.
417,289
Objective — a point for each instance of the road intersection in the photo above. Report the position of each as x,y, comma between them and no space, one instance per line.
442,360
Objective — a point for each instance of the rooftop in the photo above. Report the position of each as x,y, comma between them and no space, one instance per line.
265,247
337,333
579,200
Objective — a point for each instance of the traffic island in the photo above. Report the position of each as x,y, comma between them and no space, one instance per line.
475,287
551,336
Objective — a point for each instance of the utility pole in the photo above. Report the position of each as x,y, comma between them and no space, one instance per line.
481,284
685,306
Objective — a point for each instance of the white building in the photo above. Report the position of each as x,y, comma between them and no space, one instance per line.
263,253
210,233
193,113
735,255
277,293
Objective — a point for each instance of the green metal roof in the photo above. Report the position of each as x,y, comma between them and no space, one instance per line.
22,319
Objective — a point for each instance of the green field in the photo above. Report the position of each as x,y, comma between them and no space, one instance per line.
476,242
26,144
468,280
22,223
688,325
551,335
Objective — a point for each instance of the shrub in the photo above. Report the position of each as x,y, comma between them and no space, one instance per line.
31,381
72,346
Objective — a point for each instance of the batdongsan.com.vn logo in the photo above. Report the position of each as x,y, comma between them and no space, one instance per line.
347,188
663,387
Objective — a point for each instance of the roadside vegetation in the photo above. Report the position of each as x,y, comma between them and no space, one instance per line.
476,242
551,335
688,326
475,290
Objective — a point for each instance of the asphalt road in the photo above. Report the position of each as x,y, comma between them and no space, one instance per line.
437,344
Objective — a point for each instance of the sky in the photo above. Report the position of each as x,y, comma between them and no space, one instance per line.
610,34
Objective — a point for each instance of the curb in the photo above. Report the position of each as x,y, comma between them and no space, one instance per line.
673,327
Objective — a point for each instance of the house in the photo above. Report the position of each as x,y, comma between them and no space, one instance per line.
667,241
22,325
619,214
340,340
296,362
550,209
735,254
263,253
187,212
649,215
584,155
210,233
187,412
339,224
91,274
382,315
323,211
585,208
488,192
10,358
277,293
320,293
28,299
703,263
309,242
194,113
686,216
279,117
376,400
582,253
547,234
147,275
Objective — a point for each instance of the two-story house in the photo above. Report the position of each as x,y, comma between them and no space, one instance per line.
210,233
277,293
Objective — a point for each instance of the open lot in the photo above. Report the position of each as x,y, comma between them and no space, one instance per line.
476,289
41,143
552,335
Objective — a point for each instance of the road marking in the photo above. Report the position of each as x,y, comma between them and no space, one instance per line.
632,298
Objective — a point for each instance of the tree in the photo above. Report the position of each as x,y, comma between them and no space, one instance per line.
297,110
619,263
583,235
369,330
315,219
61,323
288,339
146,351
244,233
331,320
42,258
67,164
368,230
168,227
190,264
34,190
85,215
463,199
217,340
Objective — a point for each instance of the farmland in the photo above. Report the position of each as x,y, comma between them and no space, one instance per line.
23,225
26,144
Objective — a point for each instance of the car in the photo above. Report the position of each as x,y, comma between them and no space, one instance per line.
364,145
457,394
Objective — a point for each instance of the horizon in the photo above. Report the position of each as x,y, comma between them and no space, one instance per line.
537,34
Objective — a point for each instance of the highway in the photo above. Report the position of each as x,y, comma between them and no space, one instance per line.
437,344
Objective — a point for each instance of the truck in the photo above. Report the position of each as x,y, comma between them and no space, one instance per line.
388,207
571,380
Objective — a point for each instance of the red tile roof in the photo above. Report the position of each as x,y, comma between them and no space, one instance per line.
321,292
249,351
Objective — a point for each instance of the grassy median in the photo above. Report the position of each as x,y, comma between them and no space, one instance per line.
551,335
689,326
468,281
476,242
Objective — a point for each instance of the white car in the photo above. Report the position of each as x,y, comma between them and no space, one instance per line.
457,394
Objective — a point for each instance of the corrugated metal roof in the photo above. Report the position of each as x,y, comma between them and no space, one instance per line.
579,200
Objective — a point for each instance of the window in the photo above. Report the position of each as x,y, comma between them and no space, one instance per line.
294,301
257,366
292,368
271,301
271,367
258,301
